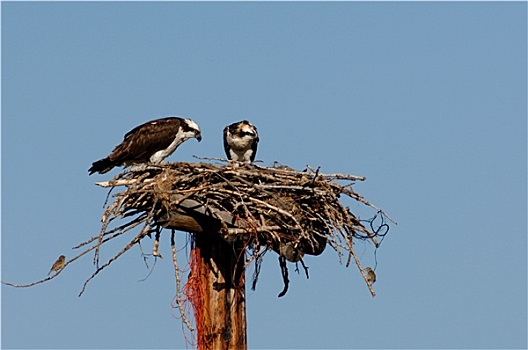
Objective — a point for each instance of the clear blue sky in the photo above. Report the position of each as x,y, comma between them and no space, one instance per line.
427,100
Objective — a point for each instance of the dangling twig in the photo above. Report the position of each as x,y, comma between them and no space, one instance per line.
179,301
284,272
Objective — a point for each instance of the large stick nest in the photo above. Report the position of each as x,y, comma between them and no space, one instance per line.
271,208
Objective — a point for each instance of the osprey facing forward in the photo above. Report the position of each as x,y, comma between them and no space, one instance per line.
240,141
150,142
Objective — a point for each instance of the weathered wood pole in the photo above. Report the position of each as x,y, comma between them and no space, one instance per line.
221,317
221,274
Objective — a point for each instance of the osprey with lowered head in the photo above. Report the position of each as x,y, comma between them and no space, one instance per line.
240,141
150,142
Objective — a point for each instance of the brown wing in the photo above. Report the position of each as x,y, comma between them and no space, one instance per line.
144,140
254,147
139,144
226,145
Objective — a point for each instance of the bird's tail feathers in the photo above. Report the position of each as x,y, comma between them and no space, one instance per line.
102,166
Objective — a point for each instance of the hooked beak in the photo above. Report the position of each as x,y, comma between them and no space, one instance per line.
199,137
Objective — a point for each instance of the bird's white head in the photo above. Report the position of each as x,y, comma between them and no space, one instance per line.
191,129
247,130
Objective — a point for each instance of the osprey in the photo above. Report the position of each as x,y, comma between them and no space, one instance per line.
240,141
150,142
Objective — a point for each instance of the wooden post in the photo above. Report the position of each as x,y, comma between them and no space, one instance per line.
218,281
220,270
